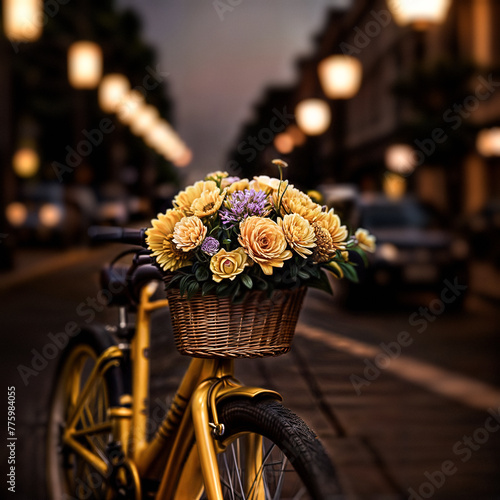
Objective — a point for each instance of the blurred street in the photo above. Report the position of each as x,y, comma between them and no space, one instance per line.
383,116
414,419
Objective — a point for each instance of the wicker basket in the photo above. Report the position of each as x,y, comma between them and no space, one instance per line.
214,327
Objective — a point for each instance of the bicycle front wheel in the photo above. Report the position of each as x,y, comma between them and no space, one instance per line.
270,453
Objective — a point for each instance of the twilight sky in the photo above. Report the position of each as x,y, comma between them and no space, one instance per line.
220,60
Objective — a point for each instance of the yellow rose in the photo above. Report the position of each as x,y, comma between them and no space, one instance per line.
228,264
366,241
266,183
240,185
189,233
298,233
159,239
264,242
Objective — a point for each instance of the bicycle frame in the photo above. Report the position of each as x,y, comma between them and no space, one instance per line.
186,440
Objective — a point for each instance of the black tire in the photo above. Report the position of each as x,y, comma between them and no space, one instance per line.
68,475
295,464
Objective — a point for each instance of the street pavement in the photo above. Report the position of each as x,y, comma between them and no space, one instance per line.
406,400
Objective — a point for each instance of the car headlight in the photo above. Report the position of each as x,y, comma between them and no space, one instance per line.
50,215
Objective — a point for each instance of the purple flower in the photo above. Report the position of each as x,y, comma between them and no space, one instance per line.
210,246
243,204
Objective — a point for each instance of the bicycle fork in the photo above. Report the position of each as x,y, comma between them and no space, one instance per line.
200,425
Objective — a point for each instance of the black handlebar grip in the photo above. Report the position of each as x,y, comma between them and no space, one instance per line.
103,234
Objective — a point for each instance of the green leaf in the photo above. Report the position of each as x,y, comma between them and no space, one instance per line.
247,281
207,287
192,289
303,275
321,284
202,274
349,272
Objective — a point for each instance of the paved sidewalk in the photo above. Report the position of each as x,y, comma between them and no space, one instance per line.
411,433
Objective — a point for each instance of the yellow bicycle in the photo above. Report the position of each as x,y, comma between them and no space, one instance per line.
219,440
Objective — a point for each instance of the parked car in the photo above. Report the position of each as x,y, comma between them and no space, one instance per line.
415,250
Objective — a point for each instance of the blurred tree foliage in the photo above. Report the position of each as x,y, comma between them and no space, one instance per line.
43,97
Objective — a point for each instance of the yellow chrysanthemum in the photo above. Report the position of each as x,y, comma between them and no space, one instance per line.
331,222
208,203
159,239
298,233
295,201
366,241
215,176
264,242
189,233
185,199
228,264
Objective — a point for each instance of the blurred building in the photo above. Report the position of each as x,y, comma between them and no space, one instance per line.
434,88
62,153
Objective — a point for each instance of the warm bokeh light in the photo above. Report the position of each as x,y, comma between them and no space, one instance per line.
129,106
488,142
313,116
419,13
25,162
50,215
400,158
297,135
16,213
394,186
112,89
144,119
340,76
165,140
284,143
84,64
184,159
23,19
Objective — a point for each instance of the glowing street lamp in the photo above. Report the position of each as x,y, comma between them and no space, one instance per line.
144,119
129,106
23,19
112,89
340,76
16,213
84,64
26,162
400,158
284,143
488,142
419,13
313,116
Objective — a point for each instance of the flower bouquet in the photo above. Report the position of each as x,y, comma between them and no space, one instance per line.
235,242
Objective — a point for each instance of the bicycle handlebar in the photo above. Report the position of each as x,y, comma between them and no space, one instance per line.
101,234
